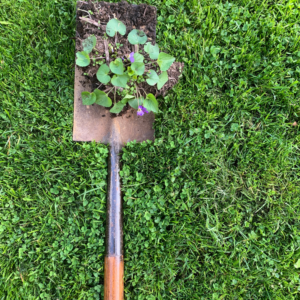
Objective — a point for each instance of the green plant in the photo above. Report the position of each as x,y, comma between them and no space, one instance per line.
126,73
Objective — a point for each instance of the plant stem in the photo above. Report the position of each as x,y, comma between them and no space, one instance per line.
85,11
150,63
99,85
144,91
137,93
109,90
115,95
106,51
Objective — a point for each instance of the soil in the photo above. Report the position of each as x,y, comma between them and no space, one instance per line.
92,18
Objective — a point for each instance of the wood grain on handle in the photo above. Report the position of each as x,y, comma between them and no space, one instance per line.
114,263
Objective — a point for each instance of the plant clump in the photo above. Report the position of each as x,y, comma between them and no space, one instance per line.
124,74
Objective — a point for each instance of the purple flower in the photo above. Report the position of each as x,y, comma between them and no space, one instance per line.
123,58
142,110
131,57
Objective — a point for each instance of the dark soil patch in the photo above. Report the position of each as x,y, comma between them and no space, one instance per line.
92,19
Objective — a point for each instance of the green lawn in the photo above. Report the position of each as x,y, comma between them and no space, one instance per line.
211,208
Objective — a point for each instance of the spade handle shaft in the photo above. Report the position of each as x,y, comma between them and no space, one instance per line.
114,263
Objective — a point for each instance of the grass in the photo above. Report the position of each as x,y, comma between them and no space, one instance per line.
211,208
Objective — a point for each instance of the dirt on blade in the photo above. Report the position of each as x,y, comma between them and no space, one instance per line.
92,19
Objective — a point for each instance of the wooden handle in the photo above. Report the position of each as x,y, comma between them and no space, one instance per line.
113,278
114,263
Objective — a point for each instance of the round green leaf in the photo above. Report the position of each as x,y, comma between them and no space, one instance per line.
153,51
114,26
147,216
214,50
127,98
151,103
137,37
163,78
117,107
134,103
120,80
138,57
147,47
89,43
117,66
102,74
165,61
88,98
152,77
102,99
138,68
83,59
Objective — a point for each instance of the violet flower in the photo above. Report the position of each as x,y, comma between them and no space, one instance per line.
131,57
142,110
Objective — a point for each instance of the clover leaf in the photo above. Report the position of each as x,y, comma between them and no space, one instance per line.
138,68
114,26
214,50
89,43
120,80
83,59
234,126
165,61
137,37
297,264
88,98
102,74
134,103
102,99
153,51
150,103
117,66
163,78
152,77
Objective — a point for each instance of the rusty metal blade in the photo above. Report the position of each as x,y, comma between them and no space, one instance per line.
93,122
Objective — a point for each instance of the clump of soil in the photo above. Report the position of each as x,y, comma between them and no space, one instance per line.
92,18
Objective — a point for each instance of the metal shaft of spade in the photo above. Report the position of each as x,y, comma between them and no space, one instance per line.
114,262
